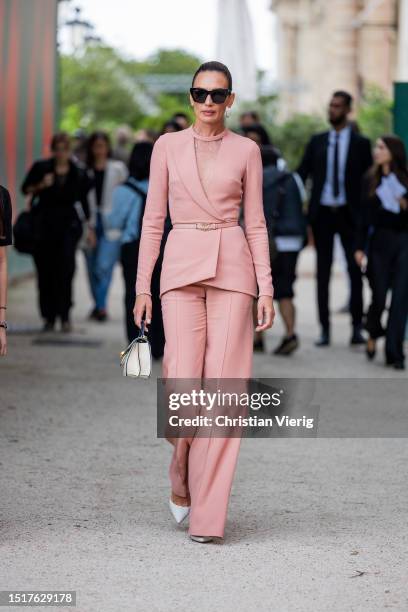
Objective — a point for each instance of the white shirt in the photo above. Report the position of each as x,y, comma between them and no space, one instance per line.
390,191
328,198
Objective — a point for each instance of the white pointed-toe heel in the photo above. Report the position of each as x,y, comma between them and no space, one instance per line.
201,539
179,512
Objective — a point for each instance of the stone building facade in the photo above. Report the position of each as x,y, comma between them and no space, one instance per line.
325,45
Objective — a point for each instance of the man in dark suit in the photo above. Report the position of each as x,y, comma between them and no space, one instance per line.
336,162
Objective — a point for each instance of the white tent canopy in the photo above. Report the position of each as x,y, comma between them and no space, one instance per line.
236,48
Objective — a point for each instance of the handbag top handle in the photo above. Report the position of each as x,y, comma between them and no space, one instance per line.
142,333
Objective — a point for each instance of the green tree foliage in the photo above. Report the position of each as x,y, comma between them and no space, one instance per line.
292,136
71,118
100,89
166,61
97,84
374,116
168,106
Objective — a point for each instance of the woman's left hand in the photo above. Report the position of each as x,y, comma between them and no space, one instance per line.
265,313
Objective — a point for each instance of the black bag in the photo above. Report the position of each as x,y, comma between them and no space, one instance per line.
273,249
24,234
283,207
275,194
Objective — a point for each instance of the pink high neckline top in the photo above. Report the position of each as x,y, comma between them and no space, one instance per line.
208,138
206,149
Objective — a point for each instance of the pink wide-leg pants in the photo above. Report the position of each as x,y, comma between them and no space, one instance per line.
209,333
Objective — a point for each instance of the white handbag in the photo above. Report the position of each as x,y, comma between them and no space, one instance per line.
136,360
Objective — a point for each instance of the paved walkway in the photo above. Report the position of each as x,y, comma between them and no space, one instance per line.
313,525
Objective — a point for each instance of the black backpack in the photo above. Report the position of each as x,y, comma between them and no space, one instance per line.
283,206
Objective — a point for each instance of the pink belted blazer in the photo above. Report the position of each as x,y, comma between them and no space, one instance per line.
233,258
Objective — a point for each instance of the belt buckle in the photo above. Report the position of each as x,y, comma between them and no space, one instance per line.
205,226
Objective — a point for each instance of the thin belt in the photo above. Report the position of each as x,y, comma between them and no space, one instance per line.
204,226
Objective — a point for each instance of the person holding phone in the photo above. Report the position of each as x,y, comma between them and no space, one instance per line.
383,235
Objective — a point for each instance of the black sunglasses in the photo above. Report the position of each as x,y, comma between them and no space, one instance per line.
218,96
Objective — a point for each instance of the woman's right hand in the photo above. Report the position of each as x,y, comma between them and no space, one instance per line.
359,258
143,304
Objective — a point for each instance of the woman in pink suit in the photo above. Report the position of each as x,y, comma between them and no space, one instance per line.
212,271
